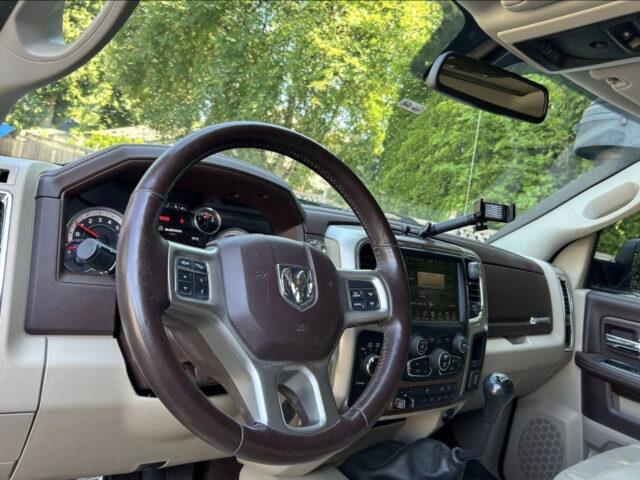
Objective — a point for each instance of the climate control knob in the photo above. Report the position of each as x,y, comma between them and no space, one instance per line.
369,363
460,344
418,346
440,359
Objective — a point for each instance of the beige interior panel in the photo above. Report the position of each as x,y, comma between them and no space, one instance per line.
21,355
626,405
14,428
529,360
556,405
574,261
574,220
5,470
91,421
599,438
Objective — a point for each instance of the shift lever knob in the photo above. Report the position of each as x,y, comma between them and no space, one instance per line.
498,390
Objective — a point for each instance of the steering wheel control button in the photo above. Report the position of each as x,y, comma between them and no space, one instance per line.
192,283
356,294
363,296
185,289
199,266
373,304
184,262
202,292
371,297
185,275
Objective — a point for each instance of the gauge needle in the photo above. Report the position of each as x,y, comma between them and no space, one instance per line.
89,231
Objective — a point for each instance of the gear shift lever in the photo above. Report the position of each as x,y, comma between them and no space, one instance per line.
498,390
430,459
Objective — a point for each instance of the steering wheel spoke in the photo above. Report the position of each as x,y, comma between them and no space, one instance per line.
365,300
294,397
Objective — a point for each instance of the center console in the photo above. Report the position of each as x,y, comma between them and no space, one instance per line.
446,352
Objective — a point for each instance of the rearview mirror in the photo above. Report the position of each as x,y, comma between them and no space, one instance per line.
487,87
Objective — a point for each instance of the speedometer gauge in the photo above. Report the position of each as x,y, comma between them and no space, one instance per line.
101,224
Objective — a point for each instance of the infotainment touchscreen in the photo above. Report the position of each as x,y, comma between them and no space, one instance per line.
433,283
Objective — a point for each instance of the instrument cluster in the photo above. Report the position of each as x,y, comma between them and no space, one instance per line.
92,234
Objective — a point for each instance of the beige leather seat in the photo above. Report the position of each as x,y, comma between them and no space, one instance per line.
618,464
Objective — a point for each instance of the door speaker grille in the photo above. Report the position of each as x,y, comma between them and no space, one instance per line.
540,450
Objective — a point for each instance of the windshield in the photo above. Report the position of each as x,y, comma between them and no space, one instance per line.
339,72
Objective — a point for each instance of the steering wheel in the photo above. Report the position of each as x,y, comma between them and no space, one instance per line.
266,312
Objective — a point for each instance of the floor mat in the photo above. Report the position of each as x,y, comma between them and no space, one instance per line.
476,471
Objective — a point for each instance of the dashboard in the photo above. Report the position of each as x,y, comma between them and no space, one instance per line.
472,306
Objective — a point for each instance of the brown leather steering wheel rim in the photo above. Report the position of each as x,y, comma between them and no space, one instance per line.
142,299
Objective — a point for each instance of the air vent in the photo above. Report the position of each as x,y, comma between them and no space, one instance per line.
567,305
366,258
474,292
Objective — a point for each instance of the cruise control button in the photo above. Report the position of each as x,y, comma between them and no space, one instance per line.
200,267
184,262
185,289
201,279
185,275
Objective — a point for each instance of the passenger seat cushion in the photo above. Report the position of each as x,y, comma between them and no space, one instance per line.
618,464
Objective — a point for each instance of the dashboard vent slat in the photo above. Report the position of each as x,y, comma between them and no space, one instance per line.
474,294
567,306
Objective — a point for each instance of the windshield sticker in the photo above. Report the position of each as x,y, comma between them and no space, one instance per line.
413,107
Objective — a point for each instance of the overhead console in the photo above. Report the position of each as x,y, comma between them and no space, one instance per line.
602,42
448,334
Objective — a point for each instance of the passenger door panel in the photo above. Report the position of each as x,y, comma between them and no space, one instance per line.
610,366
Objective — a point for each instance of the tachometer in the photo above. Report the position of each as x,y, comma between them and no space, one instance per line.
100,224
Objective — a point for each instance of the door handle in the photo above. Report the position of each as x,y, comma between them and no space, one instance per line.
622,343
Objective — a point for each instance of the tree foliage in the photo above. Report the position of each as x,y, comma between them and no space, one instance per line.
332,70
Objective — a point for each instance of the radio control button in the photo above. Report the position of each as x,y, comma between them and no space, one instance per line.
418,345
460,344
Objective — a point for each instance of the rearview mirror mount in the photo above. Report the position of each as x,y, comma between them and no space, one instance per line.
487,87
